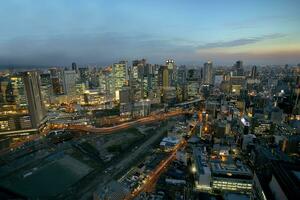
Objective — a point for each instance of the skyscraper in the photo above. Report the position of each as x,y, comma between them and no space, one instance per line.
172,72
208,73
254,72
1,95
238,68
120,76
181,88
74,67
9,93
34,97
84,75
163,76
70,77
57,81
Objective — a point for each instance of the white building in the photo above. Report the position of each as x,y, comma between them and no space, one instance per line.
201,170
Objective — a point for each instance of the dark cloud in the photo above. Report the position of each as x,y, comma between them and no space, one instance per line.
239,42
109,47
104,48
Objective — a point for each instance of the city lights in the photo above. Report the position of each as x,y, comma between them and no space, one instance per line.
144,100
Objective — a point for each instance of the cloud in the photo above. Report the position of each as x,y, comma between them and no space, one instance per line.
257,58
239,42
260,21
102,48
109,47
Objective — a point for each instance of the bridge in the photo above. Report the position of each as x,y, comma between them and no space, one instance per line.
126,125
182,104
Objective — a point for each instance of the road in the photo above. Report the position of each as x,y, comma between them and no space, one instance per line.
154,175
104,179
126,125
19,143
103,130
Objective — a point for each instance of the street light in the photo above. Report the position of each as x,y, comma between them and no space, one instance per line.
194,170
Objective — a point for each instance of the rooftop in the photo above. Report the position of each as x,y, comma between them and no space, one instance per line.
231,169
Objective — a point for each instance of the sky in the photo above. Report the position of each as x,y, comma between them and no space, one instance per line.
59,32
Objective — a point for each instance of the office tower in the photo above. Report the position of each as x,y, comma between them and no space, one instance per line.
172,72
138,68
254,72
181,75
120,76
18,91
146,82
57,79
34,97
163,76
208,73
136,81
46,88
74,67
84,75
125,100
110,83
94,79
182,84
168,92
1,95
9,93
193,82
70,77
102,82
238,68
152,88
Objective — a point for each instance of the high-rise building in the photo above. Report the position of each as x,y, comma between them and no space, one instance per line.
84,75
57,79
94,79
125,100
70,77
120,76
9,93
254,72
34,97
238,68
74,67
1,95
182,76
46,87
208,73
106,83
181,89
136,82
172,72
163,76
18,91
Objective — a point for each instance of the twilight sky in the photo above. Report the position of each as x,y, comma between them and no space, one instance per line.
58,32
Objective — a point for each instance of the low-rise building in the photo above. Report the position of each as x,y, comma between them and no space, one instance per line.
201,170
230,176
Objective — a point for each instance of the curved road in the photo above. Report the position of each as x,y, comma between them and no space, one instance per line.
126,125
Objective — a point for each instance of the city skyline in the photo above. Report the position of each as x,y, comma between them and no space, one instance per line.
150,100
99,32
